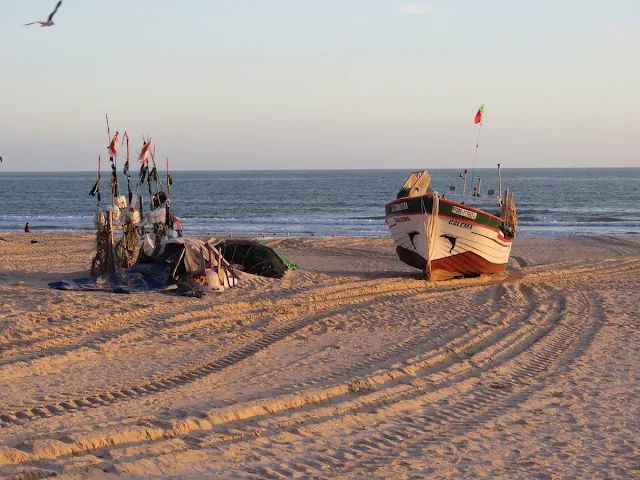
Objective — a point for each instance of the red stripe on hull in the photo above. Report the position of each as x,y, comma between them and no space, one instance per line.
467,264
457,264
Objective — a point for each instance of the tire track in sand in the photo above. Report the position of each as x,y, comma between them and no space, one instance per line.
529,365
221,316
189,375
109,440
137,320
200,426
511,384
275,408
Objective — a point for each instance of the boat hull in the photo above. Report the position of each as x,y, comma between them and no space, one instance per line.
464,241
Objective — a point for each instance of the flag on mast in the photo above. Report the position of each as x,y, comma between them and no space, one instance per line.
479,115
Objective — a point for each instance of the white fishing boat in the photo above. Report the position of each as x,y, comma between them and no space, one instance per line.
446,239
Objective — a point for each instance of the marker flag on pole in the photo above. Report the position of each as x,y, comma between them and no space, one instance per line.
145,152
96,188
125,170
479,115
113,146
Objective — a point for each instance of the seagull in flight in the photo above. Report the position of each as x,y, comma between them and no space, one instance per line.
49,21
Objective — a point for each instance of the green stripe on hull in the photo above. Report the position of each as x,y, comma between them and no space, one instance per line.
424,204
461,212
409,205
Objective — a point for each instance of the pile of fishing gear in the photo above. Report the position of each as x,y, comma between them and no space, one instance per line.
151,254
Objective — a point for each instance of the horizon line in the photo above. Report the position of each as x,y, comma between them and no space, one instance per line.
337,169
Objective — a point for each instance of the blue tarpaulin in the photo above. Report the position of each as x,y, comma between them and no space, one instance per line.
142,277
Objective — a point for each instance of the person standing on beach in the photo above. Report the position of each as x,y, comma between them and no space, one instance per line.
27,228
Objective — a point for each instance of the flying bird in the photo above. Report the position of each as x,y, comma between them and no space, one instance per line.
49,21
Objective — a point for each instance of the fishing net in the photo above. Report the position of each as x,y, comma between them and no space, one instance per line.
127,247
98,264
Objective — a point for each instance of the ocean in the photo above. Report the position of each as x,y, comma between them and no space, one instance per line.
550,202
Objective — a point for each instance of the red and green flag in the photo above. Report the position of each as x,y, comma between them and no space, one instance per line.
479,115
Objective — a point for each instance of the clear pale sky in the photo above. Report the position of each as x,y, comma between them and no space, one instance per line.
301,84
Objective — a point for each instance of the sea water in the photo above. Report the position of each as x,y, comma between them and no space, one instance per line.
330,202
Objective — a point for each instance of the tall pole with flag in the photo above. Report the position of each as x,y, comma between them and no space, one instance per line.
125,170
478,121
113,154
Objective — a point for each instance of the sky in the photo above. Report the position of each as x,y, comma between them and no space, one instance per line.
304,84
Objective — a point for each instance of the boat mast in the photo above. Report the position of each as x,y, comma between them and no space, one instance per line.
463,175
464,188
499,186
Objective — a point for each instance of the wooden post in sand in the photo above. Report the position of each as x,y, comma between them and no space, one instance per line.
110,226
110,267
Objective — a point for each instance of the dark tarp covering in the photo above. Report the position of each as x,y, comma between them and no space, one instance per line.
256,258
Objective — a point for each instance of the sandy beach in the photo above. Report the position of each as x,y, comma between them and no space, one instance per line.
350,367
